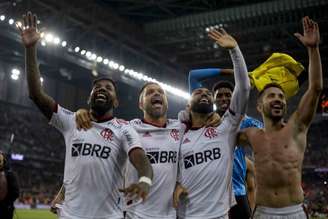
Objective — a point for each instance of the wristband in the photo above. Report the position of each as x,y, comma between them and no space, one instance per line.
146,180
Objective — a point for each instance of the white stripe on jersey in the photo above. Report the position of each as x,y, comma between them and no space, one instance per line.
162,148
94,165
206,169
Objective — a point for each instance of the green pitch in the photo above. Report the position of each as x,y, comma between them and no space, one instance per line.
34,214
46,214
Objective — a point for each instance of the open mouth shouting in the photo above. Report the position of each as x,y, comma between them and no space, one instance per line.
157,101
101,97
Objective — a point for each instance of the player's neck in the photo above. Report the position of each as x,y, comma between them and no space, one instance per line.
273,125
100,118
198,120
159,122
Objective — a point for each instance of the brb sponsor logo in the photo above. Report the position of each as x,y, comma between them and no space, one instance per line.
201,157
162,157
87,149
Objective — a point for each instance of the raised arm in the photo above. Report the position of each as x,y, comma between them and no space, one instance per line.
309,102
242,88
30,37
197,75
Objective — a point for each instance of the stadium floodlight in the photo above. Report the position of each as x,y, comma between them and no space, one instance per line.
14,77
111,64
2,17
88,54
57,40
93,56
83,52
126,71
11,21
15,71
115,65
15,74
99,59
106,61
41,79
121,68
49,37
42,34
43,43
38,21
64,44
77,49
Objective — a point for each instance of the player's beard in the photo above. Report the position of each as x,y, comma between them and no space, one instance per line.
203,108
99,107
156,113
275,117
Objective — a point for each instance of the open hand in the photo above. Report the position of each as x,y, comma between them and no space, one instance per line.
29,32
222,38
311,35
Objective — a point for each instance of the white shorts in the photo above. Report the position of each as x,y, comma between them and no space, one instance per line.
290,212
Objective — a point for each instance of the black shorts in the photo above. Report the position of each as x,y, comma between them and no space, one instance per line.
241,210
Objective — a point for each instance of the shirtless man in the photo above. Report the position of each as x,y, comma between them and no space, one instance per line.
279,147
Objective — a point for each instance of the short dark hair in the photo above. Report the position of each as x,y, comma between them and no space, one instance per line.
144,87
104,79
269,86
222,84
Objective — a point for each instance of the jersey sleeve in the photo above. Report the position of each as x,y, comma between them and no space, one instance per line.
130,138
62,119
197,75
241,92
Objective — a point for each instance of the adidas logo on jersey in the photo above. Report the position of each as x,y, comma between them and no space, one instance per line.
88,149
162,157
201,157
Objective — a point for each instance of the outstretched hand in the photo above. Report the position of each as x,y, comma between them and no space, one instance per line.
29,32
222,38
311,35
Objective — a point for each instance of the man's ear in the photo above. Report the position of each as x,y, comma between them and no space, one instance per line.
259,107
140,104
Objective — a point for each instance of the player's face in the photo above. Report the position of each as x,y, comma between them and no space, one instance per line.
103,97
201,101
273,103
222,99
154,101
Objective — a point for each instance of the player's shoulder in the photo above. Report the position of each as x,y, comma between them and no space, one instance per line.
135,122
63,110
118,123
173,123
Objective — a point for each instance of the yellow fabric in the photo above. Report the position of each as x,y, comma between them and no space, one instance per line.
279,68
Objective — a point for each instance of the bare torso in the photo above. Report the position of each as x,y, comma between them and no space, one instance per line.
278,163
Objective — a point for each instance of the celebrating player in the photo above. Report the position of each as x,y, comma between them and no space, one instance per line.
279,147
207,153
95,159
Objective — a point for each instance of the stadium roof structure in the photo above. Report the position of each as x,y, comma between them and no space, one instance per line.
164,38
